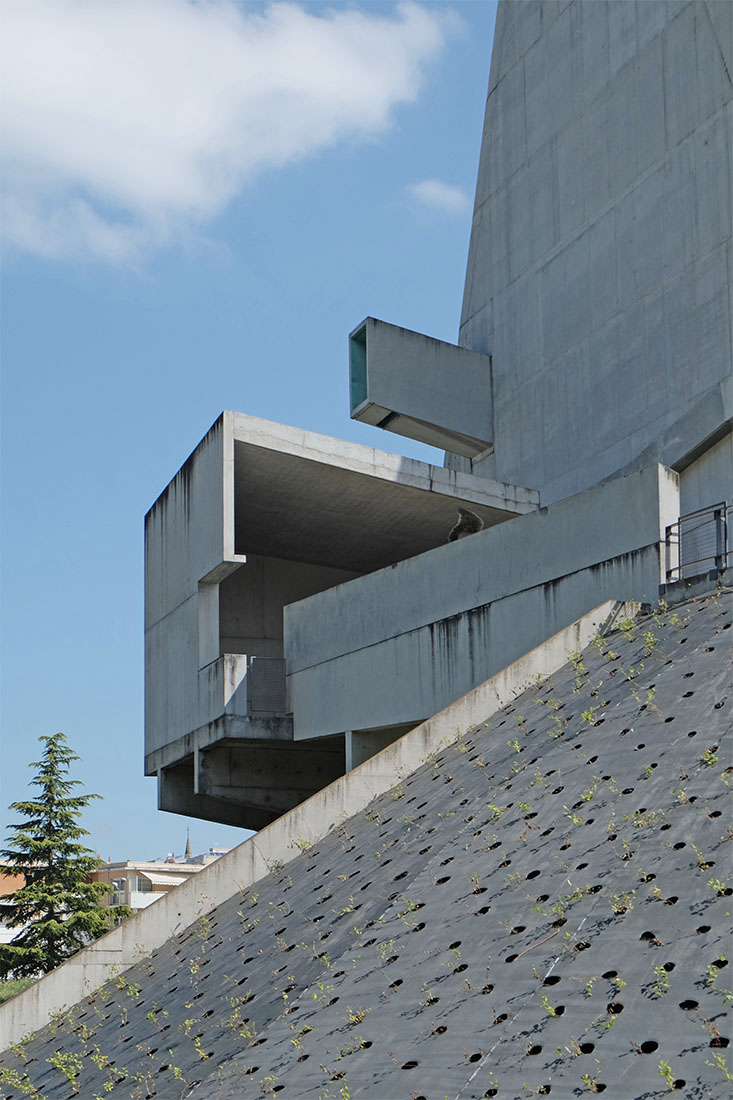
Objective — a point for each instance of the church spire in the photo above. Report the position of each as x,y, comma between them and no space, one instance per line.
189,853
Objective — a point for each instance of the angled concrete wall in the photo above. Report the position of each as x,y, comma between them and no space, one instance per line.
285,838
402,643
599,273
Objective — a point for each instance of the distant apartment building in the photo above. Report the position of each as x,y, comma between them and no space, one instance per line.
138,883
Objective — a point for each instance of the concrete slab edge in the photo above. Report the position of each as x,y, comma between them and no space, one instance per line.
284,839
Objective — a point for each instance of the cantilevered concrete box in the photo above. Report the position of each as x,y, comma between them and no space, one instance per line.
260,517
419,387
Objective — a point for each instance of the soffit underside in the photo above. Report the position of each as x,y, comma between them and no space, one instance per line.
288,506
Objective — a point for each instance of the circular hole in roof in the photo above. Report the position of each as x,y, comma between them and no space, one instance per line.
581,866
536,1049
564,847
390,960
432,1001
671,900
615,1008
476,1057
483,910
679,1083
517,929
649,936
419,927
447,861
441,1030
454,945
440,881
719,1041
689,1005
510,958
487,988
551,979
649,1046
692,733
490,1092
680,844
703,928
534,874
720,704
663,828
424,851
669,966
627,790
715,813
598,1085
609,974
542,897
557,791
559,1010
410,1065
460,969
396,984
402,874
720,963
587,1048
548,831
687,694
612,836
582,946
594,889
505,863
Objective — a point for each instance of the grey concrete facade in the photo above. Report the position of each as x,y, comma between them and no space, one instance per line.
402,643
600,267
260,517
303,609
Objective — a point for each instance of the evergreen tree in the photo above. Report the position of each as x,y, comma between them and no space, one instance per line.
57,910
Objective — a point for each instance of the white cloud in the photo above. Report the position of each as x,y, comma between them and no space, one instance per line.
124,122
437,195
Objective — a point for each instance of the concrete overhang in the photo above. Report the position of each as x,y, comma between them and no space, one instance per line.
422,388
317,499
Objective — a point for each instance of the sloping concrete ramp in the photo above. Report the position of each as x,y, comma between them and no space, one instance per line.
541,907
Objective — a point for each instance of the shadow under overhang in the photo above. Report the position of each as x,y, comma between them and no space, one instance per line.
329,512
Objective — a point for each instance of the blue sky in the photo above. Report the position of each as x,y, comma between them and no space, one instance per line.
200,201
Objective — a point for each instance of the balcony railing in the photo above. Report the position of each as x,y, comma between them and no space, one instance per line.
698,542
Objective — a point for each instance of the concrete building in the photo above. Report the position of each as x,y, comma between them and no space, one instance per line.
521,888
303,607
139,883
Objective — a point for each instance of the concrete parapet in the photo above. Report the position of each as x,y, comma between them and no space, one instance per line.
285,837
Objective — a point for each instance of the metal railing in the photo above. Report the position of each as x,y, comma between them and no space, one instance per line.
698,542
266,686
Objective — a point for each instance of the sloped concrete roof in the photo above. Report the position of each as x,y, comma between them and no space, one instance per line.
542,908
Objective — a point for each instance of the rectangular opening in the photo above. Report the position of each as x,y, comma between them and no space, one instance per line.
357,368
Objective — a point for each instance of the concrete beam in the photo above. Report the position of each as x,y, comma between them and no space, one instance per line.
425,389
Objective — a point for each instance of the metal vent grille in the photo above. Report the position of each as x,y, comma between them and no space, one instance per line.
266,686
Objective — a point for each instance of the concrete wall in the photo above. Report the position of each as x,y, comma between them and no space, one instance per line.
251,601
400,644
710,479
197,500
599,274
280,841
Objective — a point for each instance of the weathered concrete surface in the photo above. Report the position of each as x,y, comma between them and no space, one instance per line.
262,515
540,906
398,645
309,822
425,389
601,260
